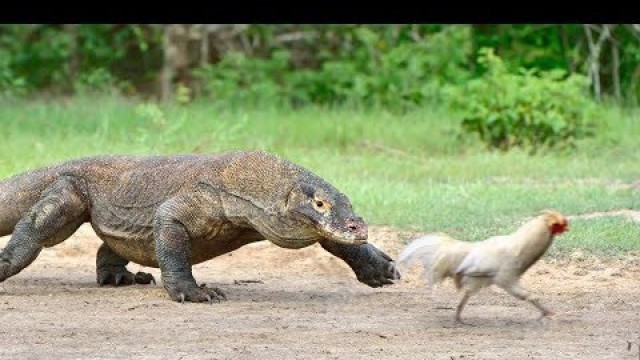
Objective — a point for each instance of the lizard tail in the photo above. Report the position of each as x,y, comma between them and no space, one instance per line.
20,192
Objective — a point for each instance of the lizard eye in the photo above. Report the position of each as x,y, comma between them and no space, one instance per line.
321,205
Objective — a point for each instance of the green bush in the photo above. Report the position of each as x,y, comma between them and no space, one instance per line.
57,57
527,109
10,83
238,78
400,75
375,72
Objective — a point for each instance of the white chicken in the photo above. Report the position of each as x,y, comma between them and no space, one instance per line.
499,260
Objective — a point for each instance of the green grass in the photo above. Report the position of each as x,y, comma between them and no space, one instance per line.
604,236
409,171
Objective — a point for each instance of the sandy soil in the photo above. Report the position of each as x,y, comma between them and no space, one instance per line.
306,304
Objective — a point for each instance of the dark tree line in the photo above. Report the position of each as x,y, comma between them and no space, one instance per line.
156,59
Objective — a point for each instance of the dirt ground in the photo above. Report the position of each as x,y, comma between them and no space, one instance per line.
306,304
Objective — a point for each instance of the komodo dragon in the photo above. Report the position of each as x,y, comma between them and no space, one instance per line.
172,212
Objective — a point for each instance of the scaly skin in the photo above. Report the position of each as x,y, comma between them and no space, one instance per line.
172,212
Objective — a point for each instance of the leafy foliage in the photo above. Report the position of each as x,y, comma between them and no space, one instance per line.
63,57
397,66
376,73
239,78
527,108
10,83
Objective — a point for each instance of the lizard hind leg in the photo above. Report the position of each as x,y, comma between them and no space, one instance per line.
111,270
60,211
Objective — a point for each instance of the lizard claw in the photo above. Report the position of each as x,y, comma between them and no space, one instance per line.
199,295
182,290
119,275
217,293
144,278
373,267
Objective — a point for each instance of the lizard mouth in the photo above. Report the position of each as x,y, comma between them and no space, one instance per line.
354,233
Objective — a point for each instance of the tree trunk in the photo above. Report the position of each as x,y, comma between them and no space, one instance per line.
166,76
72,30
595,48
176,58
564,39
593,63
615,71
204,45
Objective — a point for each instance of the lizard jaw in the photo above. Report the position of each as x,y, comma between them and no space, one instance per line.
353,236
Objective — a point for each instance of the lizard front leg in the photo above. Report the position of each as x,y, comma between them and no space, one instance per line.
173,251
371,266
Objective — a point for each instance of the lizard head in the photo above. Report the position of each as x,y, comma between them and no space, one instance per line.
328,211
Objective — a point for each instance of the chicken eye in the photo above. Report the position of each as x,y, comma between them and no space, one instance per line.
319,203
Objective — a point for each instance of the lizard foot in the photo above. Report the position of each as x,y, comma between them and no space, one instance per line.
119,276
196,294
377,268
